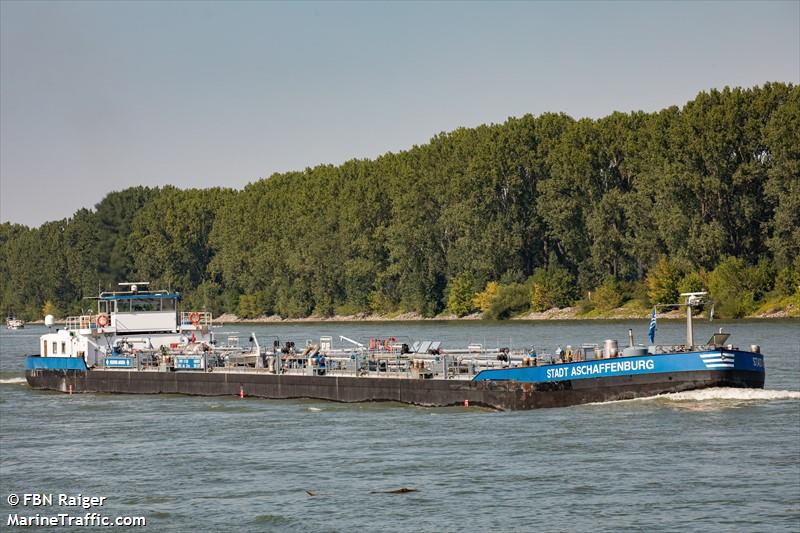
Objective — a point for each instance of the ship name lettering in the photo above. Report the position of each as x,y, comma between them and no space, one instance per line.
611,367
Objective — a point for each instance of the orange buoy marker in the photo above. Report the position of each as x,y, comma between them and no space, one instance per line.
241,392
466,403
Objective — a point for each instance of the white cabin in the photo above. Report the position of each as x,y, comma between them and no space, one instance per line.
128,321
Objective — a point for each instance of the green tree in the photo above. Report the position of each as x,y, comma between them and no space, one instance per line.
597,199
207,296
693,282
663,281
483,300
510,300
248,306
782,188
552,286
460,295
49,308
169,239
734,288
787,282
609,295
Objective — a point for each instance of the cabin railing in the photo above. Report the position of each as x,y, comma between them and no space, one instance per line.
76,323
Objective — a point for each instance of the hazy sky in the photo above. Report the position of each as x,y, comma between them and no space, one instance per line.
100,96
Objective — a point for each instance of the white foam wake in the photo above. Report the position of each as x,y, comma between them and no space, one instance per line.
714,398
12,381
728,393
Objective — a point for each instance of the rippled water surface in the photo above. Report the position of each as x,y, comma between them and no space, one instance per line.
712,460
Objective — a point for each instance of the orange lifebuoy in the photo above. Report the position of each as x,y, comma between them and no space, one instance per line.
194,317
102,321
389,343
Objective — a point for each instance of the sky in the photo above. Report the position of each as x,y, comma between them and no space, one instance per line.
101,96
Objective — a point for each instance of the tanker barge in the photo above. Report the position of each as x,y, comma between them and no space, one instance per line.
140,343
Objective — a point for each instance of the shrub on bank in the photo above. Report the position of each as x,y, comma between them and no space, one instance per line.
787,282
663,281
736,288
510,300
248,306
207,296
693,282
49,308
553,286
460,295
609,295
483,300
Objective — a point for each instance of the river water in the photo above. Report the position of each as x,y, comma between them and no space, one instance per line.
712,460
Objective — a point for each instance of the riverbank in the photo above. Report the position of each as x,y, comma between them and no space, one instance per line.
567,313
626,312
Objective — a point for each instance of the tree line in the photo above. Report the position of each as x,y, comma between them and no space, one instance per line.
537,212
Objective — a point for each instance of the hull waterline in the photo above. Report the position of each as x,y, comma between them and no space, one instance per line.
501,395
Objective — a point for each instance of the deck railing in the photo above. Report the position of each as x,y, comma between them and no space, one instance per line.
196,318
81,322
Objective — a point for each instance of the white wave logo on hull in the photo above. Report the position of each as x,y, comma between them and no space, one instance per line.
717,360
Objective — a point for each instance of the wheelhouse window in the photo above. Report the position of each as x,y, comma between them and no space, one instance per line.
152,304
137,305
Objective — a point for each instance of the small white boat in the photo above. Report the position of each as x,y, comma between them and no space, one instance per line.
14,323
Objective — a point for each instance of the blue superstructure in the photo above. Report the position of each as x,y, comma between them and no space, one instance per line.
627,366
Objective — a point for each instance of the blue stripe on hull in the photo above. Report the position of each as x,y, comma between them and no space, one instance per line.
626,366
34,362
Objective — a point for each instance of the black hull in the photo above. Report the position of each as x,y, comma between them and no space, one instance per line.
503,395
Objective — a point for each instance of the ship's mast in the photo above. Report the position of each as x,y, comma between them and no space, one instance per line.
692,299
